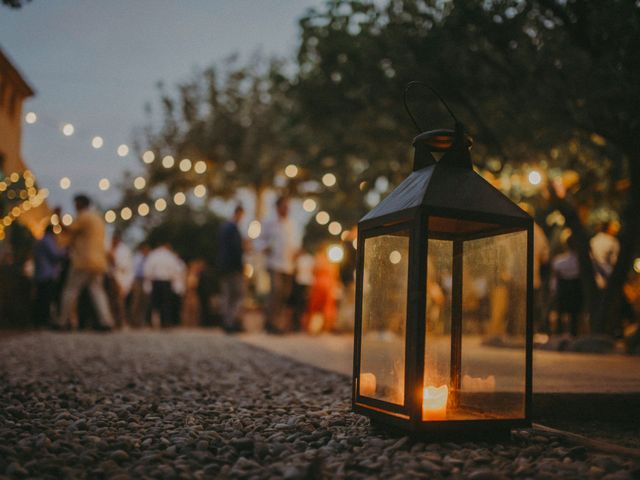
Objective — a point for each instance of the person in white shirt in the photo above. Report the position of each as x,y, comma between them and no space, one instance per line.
164,275
280,245
605,248
566,283
121,271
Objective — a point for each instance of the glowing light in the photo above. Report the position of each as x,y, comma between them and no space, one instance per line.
534,177
143,209
248,270
31,118
57,229
168,161
309,205
200,166
109,216
139,183
65,183
636,265
6,221
395,257
67,219
344,235
126,213
148,156
322,218
160,204
199,191
179,198
329,179
335,253
44,193
123,150
3,186
254,230
185,165
335,228
104,184
291,171
15,211
68,129
97,142
55,219
14,177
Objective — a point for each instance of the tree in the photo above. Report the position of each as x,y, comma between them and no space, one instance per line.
531,80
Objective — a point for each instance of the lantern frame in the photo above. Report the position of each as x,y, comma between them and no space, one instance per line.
408,209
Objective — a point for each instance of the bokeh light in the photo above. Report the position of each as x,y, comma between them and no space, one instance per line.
168,161
329,179
335,253
139,183
160,204
322,218
309,205
291,171
65,183
68,129
104,184
254,230
179,198
200,166
31,118
109,216
123,150
67,219
395,257
126,213
97,142
335,228
534,177
143,209
199,191
185,165
148,156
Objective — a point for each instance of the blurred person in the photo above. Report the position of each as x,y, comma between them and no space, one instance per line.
121,273
322,308
139,299
229,263
86,237
163,274
565,269
190,311
605,248
302,281
280,246
48,256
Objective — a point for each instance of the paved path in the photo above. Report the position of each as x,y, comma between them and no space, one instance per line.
196,404
554,372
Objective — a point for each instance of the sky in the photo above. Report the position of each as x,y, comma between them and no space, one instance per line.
96,63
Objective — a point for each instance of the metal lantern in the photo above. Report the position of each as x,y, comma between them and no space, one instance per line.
444,267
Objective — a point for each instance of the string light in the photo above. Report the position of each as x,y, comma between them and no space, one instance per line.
126,213
185,165
104,184
97,142
200,167
109,216
168,161
322,218
14,177
291,171
160,204
31,118
335,228
148,157
65,183
67,219
534,177
199,191
68,129
143,209
123,150
139,183
329,179
309,205
179,198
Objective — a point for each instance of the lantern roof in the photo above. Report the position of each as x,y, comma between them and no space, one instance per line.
441,185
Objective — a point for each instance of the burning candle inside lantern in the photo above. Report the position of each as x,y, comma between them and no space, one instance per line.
367,384
434,402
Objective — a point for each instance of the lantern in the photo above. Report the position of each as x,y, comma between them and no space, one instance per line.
443,272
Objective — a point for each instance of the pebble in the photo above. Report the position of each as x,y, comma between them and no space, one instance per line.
198,404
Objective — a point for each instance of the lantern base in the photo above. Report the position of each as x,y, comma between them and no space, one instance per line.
485,430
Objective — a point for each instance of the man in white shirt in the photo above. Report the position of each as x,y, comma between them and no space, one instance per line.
280,244
605,248
164,275
121,270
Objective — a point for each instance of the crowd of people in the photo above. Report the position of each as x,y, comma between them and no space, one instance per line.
81,281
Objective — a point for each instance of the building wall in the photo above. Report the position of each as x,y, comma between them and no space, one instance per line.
13,92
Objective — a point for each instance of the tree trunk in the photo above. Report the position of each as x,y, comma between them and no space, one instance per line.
608,314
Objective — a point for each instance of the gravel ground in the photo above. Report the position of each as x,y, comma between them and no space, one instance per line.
187,404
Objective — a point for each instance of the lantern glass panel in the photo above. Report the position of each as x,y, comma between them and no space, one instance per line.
384,310
480,279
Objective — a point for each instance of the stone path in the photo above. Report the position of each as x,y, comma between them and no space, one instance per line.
197,404
556,372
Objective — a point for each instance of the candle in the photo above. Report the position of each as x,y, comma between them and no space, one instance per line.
434,403
367,384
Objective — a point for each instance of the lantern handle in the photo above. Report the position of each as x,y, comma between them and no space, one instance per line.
416,83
